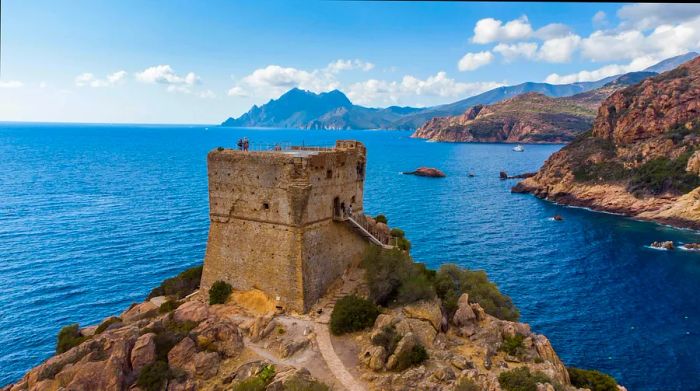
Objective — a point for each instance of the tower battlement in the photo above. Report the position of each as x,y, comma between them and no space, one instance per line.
272,222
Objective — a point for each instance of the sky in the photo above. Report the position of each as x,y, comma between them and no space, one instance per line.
193,62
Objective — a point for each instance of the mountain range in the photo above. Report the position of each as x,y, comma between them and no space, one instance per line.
333,110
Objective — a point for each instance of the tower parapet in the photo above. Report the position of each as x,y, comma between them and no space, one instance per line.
272,223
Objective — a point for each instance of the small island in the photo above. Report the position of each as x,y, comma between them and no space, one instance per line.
426,172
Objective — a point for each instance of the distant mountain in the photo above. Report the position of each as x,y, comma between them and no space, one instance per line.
333,110
671,63
531,117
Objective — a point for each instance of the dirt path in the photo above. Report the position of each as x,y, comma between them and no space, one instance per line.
334,363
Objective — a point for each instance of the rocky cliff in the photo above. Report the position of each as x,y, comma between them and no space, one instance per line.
641,157
530,117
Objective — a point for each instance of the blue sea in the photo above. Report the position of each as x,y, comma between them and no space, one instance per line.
93,216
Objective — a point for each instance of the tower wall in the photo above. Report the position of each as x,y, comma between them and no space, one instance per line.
272,224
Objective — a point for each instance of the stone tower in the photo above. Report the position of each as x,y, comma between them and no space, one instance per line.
272,223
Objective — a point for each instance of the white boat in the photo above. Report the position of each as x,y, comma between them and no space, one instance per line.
519,148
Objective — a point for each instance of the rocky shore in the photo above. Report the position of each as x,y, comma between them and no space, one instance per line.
642,157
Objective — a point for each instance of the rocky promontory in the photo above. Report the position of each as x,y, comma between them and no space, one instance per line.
389,324
641,158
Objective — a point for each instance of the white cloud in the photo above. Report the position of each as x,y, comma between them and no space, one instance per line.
273,80
553,30
600,19
88,79
559,49
410,89
11,84
647,16
493,30
472,61
511,52
348,65
164,74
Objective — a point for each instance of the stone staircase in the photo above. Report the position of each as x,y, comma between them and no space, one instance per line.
362,231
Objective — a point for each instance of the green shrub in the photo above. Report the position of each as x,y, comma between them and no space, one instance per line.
521,379
603,171
108,322
451,281
387,271
464,384
169,333
219,292
512,345
662,174
179,286
352,313
410,358
153,376
296,384
593,380
397,233
257,382
168,306
387,338
381,219
219,149
403,244
68,338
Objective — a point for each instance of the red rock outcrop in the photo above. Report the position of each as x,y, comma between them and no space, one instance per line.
640,159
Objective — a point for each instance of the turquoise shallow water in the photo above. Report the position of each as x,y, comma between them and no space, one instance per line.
93,216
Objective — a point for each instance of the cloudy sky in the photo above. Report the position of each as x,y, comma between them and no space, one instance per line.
182,62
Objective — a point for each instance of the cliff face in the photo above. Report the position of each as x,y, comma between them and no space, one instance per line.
530,117
641,157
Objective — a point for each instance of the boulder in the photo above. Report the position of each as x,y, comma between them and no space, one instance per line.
503,175
221,335
181,356
300,378
206,364
404,346
144,351
465,314
693,165
139,311
546,352
427,172
288,348
194,311
425,310
374,357
692,246
423,330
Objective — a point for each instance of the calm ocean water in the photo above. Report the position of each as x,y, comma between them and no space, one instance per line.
93,216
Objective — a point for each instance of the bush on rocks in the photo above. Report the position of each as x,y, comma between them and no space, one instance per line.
153,376
352,313
388,338
179,286
593,380
168,306
381,219
219,292
512,345
108,322
451,281
521,379
393,277
464,384
68,338
258,382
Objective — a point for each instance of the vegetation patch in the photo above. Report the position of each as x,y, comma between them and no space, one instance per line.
257,382
68,338
451,281
219,292
108,322
153,376
168,306
179,286
464,384
169,333
663,175
411,358
352,313
381,219
521,379
512,345
296,384
593,380
603,171
394,278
